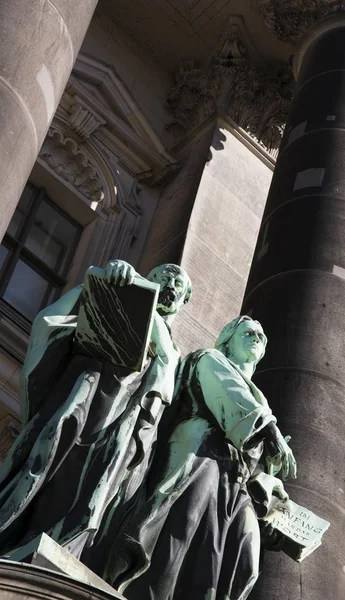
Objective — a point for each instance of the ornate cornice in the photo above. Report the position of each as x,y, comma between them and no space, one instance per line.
254,95
98,105
291,19
83,121
69,161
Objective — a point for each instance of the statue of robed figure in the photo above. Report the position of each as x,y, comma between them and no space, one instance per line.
195,532
88,425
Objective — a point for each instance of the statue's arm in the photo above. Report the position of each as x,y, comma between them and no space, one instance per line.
244,420
230,400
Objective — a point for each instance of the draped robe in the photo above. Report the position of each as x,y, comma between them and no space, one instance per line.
195,534
87,426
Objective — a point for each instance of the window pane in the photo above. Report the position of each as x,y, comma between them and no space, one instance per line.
26,290
22,209
3,254
51,237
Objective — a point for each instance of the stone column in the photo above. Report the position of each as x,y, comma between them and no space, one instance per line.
39,42
296,289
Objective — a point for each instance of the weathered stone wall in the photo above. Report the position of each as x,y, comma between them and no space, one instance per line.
169,226
221,236
147,81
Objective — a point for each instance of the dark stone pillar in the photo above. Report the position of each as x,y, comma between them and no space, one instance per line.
296,289
39,42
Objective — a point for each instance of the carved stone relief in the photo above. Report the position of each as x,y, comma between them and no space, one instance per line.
255,96
290,19
194,96
101,145
83,122
68,160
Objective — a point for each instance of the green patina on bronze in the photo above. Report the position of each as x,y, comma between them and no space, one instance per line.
88,427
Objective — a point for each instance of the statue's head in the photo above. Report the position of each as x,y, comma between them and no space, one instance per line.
176,288
242,340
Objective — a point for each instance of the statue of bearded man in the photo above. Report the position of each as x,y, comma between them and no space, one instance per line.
89,426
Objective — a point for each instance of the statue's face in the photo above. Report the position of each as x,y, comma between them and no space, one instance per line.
248,343
173,282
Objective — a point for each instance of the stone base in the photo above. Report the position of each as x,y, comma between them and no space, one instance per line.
21,581
51,566
42,551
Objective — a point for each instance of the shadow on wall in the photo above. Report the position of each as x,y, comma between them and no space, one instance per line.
218,142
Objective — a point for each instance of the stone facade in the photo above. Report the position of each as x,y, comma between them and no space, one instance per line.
158,138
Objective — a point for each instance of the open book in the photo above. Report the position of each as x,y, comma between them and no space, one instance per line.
115,323
302,530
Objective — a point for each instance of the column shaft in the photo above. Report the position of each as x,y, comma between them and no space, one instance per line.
296,289
39,42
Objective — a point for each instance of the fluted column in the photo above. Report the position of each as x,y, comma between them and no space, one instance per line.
39,42
296,289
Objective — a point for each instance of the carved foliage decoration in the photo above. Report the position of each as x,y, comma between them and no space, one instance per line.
290,19
193,97
64,156
255,97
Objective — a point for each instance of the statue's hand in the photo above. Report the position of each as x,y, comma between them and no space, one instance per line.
280,454
119,272
271,538
264,489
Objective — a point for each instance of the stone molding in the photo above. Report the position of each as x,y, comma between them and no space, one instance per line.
291,19
237,82
69,160
97,104
20,581
98,127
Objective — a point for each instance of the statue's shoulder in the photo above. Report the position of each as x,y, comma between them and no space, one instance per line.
209,355
202,357
213,360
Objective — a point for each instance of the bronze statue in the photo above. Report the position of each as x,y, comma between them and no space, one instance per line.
195,534
89,426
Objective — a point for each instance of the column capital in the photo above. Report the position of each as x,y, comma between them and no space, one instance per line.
290,20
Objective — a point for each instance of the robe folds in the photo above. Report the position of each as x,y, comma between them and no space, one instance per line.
88,426
195,533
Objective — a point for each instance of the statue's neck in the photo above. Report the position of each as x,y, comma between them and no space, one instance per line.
246,368
169,318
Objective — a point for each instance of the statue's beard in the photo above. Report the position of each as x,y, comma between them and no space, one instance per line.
166,300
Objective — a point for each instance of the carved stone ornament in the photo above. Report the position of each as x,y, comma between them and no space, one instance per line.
67,159
290,19
193,97
257,98
83,122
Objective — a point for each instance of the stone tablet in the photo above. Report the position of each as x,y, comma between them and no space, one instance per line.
114,322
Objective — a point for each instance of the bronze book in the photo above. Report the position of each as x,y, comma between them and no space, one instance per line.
115,322
302,530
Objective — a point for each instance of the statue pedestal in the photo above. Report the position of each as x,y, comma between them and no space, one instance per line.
52,573
21,581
